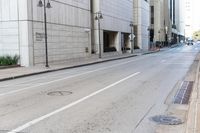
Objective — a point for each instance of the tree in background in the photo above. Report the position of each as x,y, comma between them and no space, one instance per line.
196,35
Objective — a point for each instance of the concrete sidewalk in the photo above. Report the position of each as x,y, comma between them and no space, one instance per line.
193,118
18,72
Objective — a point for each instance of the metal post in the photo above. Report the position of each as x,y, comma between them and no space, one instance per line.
45,28
184,37
99,28
132,45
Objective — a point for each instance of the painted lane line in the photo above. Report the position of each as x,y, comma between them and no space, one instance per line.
163,61
35,79
65,78
37,120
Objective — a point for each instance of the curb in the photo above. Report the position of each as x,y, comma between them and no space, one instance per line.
9,66
193,108
75,66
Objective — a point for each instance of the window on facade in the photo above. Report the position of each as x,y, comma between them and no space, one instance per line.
152,14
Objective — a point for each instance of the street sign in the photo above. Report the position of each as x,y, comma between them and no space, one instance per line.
131,37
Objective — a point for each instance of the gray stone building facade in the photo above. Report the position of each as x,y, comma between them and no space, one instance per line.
22,30
72,30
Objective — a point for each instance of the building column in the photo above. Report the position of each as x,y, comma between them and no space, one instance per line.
25,33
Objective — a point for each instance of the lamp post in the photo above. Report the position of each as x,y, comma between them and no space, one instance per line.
132,36
159,38
98,17
166,35
45,5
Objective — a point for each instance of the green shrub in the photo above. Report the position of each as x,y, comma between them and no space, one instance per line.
9,60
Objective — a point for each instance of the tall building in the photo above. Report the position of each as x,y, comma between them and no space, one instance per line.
196,15
115,29
166,18
22,30
160,27
182,19
72,30
192,17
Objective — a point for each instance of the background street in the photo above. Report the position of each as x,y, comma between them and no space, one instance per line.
112,97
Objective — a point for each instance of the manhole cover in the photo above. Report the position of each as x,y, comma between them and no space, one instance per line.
59,93
167,120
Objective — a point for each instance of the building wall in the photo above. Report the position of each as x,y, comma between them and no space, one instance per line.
68,31
189,17
22,30
15,38
142,22
182,17
117,16
162,23
71,28
9,27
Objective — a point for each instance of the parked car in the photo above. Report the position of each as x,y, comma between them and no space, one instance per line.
190,42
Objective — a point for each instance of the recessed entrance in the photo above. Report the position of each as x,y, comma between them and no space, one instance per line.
125,42
109,41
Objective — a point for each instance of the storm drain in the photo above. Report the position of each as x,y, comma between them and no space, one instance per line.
183,95
59,93
167,120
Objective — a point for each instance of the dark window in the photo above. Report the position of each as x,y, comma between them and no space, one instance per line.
152,14
174,11
171,9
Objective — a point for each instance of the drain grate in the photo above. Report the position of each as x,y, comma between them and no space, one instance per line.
59,93
183,95
167,120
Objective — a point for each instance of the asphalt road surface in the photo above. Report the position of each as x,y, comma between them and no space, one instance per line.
113,97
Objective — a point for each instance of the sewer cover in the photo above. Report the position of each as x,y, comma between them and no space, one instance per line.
59,93
167,120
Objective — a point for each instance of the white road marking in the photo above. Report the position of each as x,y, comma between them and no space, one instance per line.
72,76
31,80
163,61
37,120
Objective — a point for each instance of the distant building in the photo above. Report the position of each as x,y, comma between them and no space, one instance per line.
192,17
167,22
160,21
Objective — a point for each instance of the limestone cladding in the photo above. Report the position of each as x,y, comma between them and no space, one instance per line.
22,30
142,22
117,16
14,32
68,30
9,41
